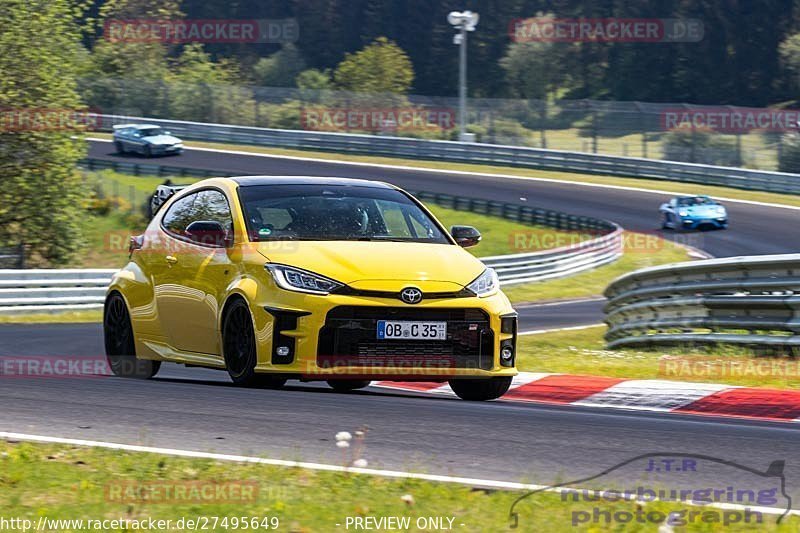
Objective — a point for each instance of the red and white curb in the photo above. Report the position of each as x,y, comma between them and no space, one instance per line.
637,394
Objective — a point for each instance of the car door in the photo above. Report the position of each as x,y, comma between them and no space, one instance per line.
669,211
122,136
170,296
203,270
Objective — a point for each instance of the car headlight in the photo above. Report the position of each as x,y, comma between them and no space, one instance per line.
299,280
486,284
683,213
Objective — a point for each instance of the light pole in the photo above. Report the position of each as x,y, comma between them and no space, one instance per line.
463,21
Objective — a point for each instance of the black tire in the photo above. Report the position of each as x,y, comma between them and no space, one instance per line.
120,346
120,147
148,152
480,390
239,349
664,222
347,385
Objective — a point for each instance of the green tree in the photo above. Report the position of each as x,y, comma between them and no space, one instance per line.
41,196
533,70
381,67
127,77
201,89
314,79
281,68
138,60
790,59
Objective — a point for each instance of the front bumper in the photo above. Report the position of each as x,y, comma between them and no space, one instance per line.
695,223
166,149
335,336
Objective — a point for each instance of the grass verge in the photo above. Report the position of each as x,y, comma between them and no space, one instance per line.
649,184
584,352
71,483
68,317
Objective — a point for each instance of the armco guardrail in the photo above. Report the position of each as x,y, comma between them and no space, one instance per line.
32,291
45,291
559,263
147,169
749,301
476,153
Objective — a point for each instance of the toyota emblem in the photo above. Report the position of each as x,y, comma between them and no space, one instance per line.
411,295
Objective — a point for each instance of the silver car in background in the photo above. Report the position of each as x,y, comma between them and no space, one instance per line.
146,139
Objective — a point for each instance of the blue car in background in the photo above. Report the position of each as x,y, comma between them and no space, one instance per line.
693,212
145,139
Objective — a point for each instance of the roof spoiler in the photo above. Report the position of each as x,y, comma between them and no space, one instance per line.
162,194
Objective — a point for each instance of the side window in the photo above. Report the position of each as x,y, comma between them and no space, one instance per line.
179,215
207,206
212,206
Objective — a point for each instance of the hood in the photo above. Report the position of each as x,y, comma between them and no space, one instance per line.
161,139
704,211
385,266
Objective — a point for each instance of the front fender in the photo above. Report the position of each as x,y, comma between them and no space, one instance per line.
244,286
252,291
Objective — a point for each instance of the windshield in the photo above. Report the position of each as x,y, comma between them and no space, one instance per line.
697,200
335,212
151,132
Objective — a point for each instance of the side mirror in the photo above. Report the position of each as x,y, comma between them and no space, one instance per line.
465,236
209,233
167,133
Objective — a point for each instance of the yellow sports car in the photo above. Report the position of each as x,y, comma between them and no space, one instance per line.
277,278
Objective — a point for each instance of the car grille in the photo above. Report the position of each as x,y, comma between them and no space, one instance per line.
349,338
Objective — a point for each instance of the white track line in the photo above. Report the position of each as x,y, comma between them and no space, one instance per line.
478,174
472,482
554,330
475,482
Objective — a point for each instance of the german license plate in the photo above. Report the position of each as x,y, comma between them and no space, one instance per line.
399,329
